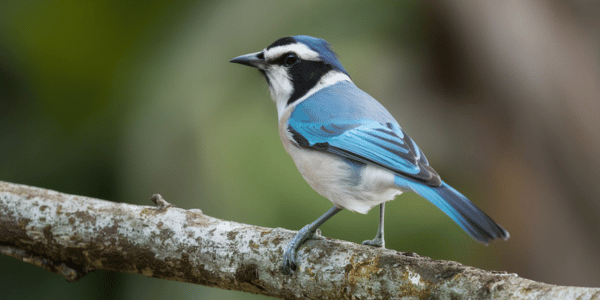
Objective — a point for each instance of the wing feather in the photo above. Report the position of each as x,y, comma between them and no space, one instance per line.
367,141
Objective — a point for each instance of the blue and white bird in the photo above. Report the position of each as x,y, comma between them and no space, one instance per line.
346,145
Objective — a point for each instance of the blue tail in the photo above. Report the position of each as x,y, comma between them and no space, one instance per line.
470,218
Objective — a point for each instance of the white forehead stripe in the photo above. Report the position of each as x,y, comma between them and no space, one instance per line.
300,49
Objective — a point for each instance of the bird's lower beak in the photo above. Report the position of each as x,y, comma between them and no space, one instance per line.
252,60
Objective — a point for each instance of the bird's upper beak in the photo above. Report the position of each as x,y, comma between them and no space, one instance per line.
252,60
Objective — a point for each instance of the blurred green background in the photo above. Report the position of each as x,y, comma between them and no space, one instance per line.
121,100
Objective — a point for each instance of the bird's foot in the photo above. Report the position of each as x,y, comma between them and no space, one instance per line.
376,242
291,252
289,261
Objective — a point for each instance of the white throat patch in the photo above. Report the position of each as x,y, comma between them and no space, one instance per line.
280,83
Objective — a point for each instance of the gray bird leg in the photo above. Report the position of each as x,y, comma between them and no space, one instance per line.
378,241
307,232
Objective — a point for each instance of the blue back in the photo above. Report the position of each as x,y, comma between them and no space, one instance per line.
342,119
341,102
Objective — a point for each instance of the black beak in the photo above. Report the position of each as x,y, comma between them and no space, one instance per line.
255,60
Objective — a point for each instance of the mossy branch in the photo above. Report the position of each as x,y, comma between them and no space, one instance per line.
74,235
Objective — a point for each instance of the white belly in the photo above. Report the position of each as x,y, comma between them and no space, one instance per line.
333,178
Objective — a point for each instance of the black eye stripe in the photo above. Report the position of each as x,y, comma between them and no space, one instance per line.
291,60
305,75
280,60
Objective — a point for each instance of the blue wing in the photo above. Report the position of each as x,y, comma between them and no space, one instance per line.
368,141
358,128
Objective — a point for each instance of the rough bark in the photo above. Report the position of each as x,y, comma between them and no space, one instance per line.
74,235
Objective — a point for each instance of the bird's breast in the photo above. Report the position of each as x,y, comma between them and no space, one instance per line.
348,184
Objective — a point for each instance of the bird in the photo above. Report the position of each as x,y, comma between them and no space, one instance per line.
347,146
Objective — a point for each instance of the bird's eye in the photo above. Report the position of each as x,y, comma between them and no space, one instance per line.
290,60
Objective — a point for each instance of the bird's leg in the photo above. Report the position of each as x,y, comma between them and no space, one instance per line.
378,241
307,232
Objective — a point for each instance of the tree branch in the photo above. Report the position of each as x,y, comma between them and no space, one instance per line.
74,235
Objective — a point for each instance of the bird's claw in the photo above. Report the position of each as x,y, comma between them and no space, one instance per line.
289,260
291,252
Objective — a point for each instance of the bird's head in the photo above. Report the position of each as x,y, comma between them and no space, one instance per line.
296,67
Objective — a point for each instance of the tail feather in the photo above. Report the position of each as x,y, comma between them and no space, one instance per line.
470,218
